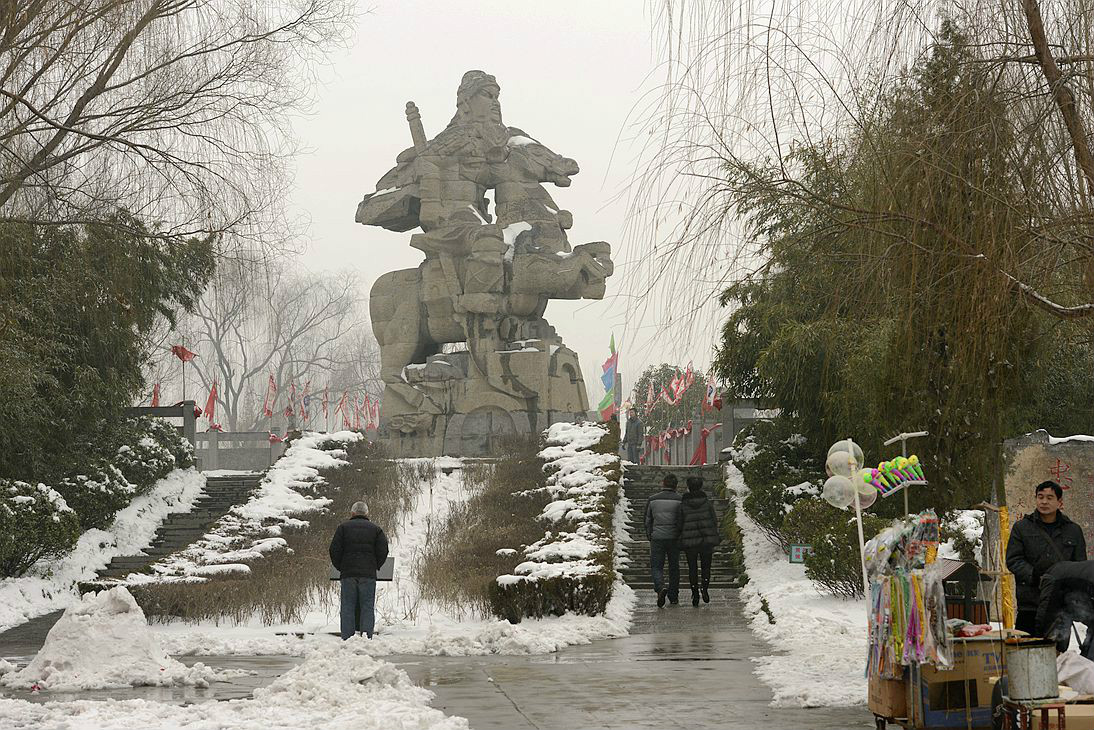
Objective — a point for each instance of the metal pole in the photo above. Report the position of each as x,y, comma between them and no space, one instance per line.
858,520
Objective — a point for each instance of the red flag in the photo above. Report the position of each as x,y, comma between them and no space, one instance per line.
156,395
292,394
211,403
326,398
374,415
305,402
356,412
271,398
182,353
342,407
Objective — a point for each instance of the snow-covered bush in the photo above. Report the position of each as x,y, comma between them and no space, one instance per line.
834,565
571,568
151,449
35,523
779,469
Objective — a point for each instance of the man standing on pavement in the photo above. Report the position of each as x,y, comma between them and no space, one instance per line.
1038,541
358,550
663,531
634,435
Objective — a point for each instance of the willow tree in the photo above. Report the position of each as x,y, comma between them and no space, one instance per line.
913,219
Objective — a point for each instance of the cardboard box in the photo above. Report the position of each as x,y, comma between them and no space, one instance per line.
888,697
960,696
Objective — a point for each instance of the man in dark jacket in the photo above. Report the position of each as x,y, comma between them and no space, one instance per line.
1038,541
358,550
699,535
663,531
633,436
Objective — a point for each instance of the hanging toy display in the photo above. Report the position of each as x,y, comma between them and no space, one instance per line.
907,600
895,474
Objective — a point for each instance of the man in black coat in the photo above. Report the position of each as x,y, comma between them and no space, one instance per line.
633,436
358,550
1038,541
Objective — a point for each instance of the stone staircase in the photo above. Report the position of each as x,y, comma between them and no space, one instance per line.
182,529
639,482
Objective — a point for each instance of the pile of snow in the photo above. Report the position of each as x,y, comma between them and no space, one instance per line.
824,637
577,485
51,585
251,530
104,642
340,687
408,622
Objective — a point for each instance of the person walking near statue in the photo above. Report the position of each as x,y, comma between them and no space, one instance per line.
633,436
699,535
1040,540
357,550
663,531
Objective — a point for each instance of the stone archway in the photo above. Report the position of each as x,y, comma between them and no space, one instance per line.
479,433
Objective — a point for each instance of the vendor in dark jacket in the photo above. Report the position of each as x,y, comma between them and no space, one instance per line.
662,522
1037,542
699,534
358,550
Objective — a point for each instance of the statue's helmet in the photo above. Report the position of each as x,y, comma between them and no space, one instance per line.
471,85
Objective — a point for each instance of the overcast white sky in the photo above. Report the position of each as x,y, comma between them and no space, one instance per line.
570,73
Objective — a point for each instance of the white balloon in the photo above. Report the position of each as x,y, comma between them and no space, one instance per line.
839,492
867,499
839,463
849,445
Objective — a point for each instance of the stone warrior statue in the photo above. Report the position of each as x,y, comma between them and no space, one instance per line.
483,282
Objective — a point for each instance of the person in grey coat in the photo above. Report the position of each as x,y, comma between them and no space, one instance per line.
699,535
633,436
663,532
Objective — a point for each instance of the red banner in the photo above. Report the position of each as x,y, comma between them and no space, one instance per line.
156,395
182,353
271,398
211,403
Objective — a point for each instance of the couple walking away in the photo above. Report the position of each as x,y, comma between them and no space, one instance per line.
674,522
357,551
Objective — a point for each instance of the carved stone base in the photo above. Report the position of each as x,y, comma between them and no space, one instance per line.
540,384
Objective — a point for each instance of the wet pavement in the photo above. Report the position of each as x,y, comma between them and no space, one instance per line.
681,666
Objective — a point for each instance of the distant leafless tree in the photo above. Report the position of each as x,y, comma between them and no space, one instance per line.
175,110
257,321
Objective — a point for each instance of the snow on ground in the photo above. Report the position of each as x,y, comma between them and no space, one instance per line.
51,585
406,622
822,638
250,530
104,642
342,688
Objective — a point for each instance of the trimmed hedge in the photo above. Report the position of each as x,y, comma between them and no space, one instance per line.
39,522
35,523
780,469
586,594
835,564
151,450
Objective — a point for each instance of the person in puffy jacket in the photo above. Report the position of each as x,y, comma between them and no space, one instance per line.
1038,541
663,530
358,550
699,535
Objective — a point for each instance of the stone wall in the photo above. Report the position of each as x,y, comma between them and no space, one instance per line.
1033,458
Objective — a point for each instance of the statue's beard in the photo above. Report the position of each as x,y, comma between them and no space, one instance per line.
493,133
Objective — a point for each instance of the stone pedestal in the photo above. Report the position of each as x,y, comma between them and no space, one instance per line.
543,385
